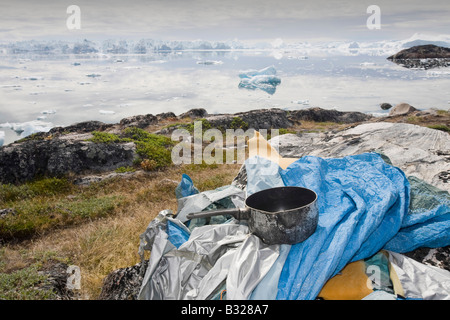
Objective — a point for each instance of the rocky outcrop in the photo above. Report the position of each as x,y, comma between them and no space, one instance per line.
194,114
385,106
60,155
277,118
123,284
80,127
139,121
326,115
57,278
422,52
402,109
255,119
425,56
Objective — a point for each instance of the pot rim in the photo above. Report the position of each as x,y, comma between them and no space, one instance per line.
282,211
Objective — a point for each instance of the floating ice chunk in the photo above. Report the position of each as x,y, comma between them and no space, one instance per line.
48,111
304,102
33,78
106,112
265,83
93,75
264,79
209,62
31,127
27,128
88,105
41,118
2,138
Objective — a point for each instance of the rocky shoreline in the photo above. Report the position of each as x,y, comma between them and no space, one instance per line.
65,150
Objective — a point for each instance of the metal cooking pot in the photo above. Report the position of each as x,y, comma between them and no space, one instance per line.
283,215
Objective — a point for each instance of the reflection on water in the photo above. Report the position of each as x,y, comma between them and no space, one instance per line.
110,87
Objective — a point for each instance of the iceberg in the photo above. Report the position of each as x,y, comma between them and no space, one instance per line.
48,111
268,71
304,102
264,79
209,62
24,129
106,112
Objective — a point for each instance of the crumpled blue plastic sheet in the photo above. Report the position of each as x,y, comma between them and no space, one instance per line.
427,223
186,187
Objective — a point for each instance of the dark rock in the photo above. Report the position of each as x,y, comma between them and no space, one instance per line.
166,115
57,277
140,121
422,52
324,115
81,127
255,119
123,284
425,57
439,257
194,114
69,153
402,109
385,106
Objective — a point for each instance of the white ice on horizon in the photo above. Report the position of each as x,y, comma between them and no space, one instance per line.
304,102
106,112
48,111
209,62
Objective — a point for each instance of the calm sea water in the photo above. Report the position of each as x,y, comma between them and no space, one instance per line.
46,91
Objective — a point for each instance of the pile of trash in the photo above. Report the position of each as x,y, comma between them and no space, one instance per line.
369,214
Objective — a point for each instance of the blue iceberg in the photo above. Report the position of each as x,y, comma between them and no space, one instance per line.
264,79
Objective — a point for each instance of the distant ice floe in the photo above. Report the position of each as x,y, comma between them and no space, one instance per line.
304,102
33,78
209,62
48,111
2,138
264,79
105,112
24,129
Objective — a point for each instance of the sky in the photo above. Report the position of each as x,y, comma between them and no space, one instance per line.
213,20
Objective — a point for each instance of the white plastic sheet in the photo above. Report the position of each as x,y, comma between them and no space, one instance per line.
420,281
